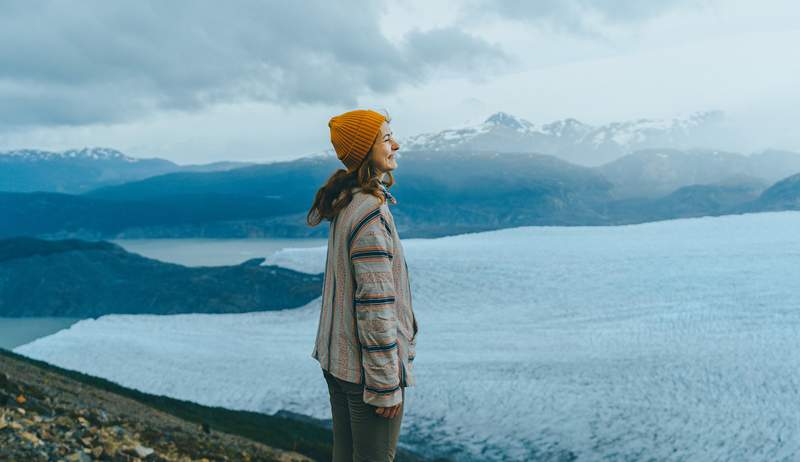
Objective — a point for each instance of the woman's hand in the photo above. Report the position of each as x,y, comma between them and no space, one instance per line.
388,412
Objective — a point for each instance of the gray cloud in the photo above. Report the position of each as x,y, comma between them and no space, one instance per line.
452,48
580,16
66,63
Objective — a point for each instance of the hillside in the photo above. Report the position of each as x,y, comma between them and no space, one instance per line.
439,193
49,413
652,173
783,195
73,278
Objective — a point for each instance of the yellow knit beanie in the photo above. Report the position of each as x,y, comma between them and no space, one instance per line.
352,135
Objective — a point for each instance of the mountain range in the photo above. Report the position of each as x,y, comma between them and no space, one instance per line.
656,172
573,140
456,181
76,171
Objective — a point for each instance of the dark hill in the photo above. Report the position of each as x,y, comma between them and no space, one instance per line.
783,195
439,193
87,279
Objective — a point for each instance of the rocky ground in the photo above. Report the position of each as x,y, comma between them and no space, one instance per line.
45,416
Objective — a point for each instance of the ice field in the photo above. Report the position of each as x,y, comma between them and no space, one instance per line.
675,340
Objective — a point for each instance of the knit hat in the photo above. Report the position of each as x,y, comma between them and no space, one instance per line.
352,135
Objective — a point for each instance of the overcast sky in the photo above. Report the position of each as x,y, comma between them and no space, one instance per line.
201,81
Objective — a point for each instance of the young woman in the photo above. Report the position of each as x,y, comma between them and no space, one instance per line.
367,331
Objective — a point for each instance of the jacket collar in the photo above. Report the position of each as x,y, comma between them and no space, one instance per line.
387,194
389,197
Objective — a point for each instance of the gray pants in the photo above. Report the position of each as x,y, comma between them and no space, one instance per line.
359,434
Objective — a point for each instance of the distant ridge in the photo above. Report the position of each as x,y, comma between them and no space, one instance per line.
75,171
93,153
571,139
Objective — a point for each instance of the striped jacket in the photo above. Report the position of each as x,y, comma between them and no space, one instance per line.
367,329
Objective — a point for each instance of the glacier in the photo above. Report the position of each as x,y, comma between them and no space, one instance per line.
673,340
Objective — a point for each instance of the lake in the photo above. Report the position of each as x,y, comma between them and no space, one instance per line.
19,331
212,252
674,340
190,252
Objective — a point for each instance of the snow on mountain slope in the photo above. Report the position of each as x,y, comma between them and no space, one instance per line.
569,138
93,153
672,340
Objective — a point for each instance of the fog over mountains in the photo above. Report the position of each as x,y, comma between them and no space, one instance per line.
503,173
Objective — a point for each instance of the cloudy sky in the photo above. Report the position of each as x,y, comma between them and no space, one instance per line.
201,81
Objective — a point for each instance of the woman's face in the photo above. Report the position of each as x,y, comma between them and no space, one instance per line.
384,155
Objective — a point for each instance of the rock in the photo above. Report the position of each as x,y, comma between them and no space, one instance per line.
15,426
110,447
21,411
30,437
63,421
142,451
79,456
21,399
102,416
118,431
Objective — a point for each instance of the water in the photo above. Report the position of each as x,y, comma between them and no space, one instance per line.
675,340
190,252
212,252
19,331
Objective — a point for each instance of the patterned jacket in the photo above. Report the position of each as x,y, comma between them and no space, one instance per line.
367,329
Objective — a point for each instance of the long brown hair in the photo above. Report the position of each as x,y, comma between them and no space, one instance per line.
337,192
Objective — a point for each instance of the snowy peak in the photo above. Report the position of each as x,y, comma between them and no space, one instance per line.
98,153
502,119
570,138
93,153
571,128
497,126
640,131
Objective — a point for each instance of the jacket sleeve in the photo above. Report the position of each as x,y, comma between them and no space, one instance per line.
371,255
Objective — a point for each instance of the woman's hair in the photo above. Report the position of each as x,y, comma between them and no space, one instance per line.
337,192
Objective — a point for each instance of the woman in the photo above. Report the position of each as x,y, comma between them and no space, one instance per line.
366,337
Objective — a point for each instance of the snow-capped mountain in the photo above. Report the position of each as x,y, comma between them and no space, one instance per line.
75,170
94,153
572,139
